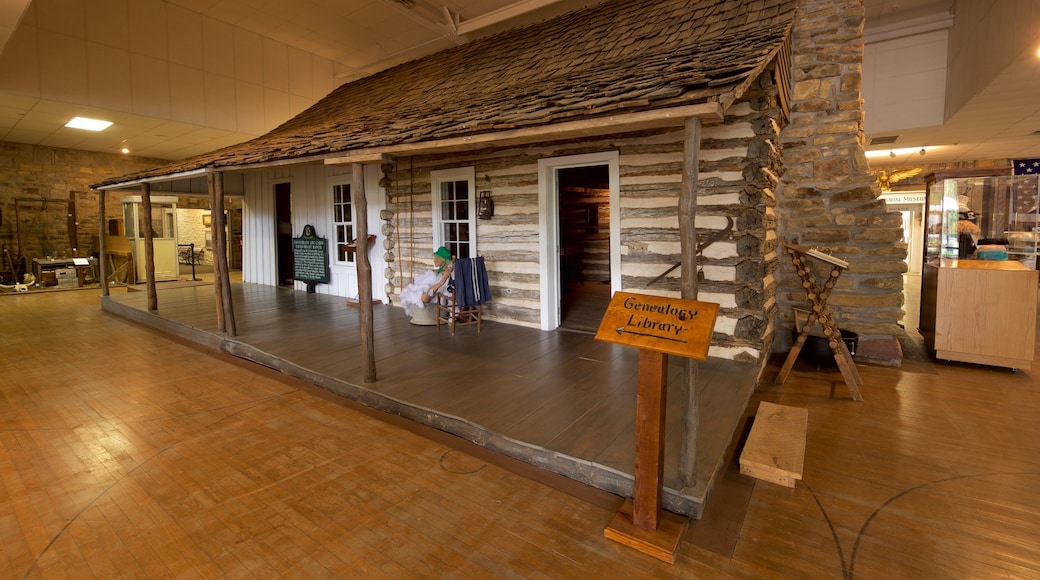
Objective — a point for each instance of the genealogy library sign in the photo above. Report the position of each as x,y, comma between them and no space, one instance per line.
658,327
669,325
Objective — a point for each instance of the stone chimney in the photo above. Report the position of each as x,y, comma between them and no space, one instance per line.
829,199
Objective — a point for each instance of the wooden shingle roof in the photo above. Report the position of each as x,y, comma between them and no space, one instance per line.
618,57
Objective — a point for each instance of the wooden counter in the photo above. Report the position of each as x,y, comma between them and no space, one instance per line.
980,311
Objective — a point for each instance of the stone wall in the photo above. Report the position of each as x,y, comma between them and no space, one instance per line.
44,179
828,198
190,230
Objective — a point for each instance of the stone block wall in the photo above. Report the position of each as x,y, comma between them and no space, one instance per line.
829,199
44,179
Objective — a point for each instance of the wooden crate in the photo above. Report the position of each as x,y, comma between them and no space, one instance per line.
775,448
66,277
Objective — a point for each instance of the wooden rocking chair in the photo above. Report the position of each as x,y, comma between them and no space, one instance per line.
464,305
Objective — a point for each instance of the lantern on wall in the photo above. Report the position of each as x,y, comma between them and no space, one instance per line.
485,205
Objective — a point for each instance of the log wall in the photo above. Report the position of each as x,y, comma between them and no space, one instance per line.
739,168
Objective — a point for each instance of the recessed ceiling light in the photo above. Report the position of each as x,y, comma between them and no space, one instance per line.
88,124
125,150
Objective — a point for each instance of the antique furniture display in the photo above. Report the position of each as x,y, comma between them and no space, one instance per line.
802,258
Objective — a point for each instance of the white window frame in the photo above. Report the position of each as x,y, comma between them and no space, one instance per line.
350,256
437,179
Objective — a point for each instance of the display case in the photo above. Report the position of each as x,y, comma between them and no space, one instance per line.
979,280
965,213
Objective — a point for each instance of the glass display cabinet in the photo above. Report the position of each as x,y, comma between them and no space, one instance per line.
979,280
965,213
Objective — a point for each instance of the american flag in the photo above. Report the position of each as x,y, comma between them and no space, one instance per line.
1024,190
1026,166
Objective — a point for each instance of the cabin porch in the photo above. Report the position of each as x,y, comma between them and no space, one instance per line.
561,401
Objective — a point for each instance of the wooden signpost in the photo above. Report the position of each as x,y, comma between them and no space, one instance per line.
658,327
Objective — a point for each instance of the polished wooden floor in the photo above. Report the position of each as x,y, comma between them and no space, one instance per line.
559,400
125,453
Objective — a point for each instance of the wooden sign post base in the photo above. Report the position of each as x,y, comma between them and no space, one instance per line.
641,523
662,543
658,327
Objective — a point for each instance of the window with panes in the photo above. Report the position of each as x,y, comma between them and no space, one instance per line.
343,221
455,219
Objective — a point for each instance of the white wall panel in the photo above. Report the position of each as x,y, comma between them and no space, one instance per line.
311,191
904,77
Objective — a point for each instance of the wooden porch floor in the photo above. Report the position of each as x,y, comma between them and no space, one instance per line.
561,401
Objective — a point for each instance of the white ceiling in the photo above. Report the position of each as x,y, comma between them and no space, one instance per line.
359,37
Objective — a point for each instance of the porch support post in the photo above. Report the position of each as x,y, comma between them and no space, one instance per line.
102,247
149,250
225,307
211,185
364,273
689,408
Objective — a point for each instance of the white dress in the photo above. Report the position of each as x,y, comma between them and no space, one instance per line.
413,293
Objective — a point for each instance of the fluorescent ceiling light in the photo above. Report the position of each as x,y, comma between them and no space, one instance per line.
898,152
88,124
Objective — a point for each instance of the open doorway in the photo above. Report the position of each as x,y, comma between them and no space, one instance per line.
283,229
584,230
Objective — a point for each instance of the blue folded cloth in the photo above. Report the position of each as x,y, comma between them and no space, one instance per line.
991,252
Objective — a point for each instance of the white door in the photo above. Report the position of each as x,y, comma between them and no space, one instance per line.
549,227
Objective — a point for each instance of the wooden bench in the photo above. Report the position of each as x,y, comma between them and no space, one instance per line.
775,448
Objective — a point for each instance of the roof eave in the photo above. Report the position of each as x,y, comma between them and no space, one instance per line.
711,111
640,121
152,179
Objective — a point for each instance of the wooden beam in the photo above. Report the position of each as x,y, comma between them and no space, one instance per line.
308,160
220,249
149,250
364,273
650,422
169,177
688,404
640,523
363,157
218,293
497,16
423,15
72,225
102,249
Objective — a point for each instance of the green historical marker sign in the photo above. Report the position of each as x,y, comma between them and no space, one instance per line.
310,258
